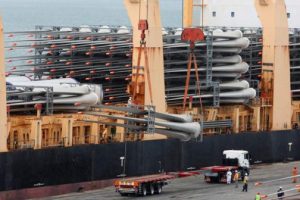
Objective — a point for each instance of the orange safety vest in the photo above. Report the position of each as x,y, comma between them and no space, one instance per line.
236,177
295,172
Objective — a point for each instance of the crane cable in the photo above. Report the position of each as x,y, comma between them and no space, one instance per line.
192,59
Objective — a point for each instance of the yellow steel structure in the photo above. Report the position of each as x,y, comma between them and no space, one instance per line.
150,11
3,109
276,87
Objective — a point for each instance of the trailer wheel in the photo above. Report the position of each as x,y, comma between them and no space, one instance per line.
158,189
151,189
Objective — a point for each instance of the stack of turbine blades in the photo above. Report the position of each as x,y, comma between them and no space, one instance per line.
64,94
102,55
172,125
253,56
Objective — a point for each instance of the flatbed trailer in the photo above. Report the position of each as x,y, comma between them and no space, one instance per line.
143,185
217,174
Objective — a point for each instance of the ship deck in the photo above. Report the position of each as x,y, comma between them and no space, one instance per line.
195,188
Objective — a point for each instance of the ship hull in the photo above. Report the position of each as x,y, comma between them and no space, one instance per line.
61,170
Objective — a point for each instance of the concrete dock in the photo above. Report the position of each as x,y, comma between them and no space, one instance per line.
195,188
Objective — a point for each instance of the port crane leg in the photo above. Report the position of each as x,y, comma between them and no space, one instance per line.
147,10
3,109
276,87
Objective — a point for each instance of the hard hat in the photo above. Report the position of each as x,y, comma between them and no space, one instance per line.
280,187
246,174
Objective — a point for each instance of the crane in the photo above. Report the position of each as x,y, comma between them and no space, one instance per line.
3,109
147,13
276,108
275,79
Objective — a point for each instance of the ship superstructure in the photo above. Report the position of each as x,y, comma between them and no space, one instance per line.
235,13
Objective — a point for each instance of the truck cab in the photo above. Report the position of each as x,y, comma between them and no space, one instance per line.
233,160
240,158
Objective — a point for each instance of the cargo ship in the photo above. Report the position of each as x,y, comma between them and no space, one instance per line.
87,98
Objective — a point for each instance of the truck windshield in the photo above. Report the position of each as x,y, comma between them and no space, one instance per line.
230,161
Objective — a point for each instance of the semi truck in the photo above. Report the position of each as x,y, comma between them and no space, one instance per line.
233,160
150,184
153,184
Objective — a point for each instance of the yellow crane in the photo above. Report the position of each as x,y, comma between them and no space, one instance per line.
275,82
3,109
153,50
276,108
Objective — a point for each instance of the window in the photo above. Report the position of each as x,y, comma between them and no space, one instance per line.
232,14
289,15
214,14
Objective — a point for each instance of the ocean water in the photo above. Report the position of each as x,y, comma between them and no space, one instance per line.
19,15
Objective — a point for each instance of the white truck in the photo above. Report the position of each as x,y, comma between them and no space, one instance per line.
232,160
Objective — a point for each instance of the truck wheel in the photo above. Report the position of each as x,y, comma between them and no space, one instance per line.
151,189
207,179
144,190
158,189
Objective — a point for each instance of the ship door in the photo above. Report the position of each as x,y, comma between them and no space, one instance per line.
87,134
15,140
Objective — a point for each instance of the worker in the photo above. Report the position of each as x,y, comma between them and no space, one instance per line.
236,178
295,173
280,193
228,176
245,181
257,196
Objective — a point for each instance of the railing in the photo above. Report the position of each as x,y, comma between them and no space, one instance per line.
18,145
91,139
54,142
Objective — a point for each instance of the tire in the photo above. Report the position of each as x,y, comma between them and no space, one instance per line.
151,189
144,191
158,189
207,179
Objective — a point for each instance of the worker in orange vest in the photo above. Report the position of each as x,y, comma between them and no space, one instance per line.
236,178
295,173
